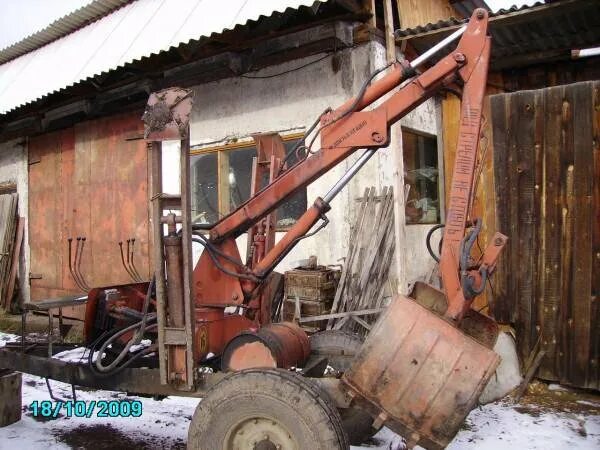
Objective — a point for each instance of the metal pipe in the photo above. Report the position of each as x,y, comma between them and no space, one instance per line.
123,261
83,281
437,47
337,187
70,242
133,268
585,52
74,273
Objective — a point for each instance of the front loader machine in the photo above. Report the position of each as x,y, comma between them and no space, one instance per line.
429,356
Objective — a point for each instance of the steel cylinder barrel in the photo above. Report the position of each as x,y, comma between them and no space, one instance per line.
282,345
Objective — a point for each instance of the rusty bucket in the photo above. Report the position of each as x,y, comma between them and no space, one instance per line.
418,374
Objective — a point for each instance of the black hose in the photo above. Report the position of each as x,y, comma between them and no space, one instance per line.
428,242
219,266
467,281
112,334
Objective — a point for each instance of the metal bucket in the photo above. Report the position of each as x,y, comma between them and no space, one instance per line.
418,374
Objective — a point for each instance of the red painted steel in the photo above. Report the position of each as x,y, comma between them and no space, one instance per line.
220,277
282,344
418,374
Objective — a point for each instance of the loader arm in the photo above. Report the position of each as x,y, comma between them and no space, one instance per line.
351,127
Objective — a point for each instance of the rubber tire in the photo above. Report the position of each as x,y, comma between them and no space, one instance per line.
338,342
357,422
286,397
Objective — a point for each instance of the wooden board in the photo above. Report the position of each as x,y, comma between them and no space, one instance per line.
547,180
421,12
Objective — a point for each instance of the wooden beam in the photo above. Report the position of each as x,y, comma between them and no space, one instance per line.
390,43
363,312
369,6
223,191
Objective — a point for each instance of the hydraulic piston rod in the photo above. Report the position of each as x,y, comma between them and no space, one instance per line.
337,187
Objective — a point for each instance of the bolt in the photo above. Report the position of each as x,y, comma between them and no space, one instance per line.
498,242
377,137
234,296
459,58
480,14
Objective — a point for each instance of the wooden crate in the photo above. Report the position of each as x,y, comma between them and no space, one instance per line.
307,309
316,285
314,289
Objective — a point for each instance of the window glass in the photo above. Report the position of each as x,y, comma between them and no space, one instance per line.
239,176
422,176
221,182
290,211
204,178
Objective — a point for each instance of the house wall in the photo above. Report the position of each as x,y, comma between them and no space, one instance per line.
13,168
234,108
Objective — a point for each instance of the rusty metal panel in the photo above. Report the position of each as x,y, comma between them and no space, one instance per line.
46,191
88,181
118,197
547,177
419,374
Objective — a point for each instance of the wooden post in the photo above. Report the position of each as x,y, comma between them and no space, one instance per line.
188,267
155,158
390,42
10,398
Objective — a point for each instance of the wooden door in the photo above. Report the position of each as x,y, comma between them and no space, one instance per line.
88,181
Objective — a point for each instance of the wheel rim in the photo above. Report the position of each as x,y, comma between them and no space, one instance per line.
259,433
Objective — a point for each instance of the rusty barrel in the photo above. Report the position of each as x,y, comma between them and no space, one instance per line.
418,374
282,344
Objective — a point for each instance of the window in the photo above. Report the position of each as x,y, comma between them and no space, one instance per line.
221,179
421,175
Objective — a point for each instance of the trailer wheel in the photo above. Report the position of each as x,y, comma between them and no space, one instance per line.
266,409
341,348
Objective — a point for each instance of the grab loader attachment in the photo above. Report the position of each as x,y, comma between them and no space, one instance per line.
418,374
429,356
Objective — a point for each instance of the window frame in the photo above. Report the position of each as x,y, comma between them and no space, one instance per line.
223,167
440,167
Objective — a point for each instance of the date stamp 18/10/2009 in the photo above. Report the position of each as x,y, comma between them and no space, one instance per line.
89,409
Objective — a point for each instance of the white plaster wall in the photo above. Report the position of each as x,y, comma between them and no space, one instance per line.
234,108
13,168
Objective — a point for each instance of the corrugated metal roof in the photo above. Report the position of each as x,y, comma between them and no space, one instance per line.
466,7
525,35
61,27
134,31
454,22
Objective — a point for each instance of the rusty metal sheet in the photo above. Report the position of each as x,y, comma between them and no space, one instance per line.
420,375
46,193
167,114
87,181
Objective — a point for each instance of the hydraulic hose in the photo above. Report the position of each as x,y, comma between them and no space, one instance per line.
428,242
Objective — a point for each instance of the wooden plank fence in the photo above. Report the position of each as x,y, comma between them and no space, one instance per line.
547,184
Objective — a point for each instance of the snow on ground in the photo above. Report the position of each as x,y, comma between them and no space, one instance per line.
5,338
164,424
